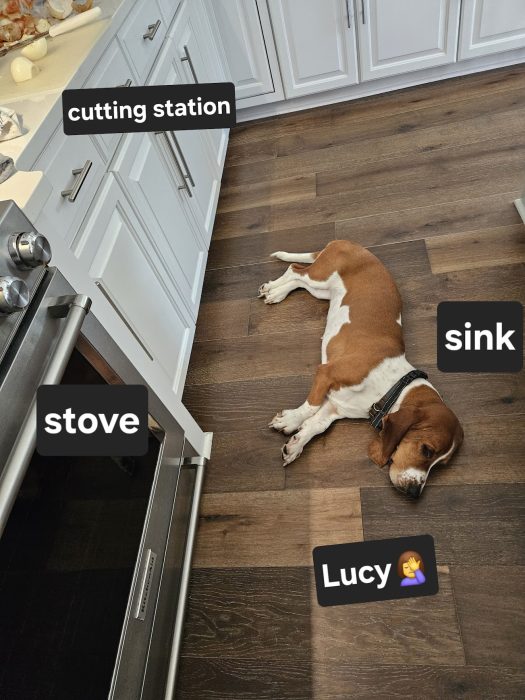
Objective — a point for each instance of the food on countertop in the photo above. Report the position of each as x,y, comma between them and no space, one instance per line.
59,9
23,69
22,19
36,50
10,124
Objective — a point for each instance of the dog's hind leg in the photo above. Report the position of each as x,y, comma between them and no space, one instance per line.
295,277
311,427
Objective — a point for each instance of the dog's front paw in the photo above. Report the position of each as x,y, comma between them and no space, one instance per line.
286,421
264,289
292,450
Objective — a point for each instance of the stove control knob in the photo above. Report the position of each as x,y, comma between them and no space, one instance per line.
14,295
29,250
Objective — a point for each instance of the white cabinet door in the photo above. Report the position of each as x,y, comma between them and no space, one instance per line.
143,168
315,43
240,29
406,35
491,26
116,250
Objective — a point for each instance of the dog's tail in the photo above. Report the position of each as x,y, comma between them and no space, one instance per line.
295,257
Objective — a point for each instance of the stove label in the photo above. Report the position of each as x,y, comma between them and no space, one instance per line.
361,572
82,421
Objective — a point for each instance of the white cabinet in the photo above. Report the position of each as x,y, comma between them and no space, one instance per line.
141,37
247,47
315,43
491,26
143,168
116,250
406,35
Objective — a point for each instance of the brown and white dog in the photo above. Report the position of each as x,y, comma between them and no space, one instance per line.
363,356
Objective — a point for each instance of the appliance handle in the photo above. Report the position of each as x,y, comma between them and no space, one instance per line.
198,463
75,309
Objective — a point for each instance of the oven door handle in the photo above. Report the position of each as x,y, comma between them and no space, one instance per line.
75,309
197,463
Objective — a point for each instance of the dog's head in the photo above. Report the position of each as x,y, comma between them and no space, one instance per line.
414,439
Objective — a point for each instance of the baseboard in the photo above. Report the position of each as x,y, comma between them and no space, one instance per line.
376,87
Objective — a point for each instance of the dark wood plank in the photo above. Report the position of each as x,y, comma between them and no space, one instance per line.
274,528
223,319
234,406
431,220
240,282
491,614
286,679
254,357
503,245
396,102
471,525
238,223
245,461
256,248
259,194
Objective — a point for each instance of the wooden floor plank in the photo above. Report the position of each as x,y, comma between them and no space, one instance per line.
286,679
431,220
503,245
223,319
259,194
491,614
274,528
256,248
395,103
471,525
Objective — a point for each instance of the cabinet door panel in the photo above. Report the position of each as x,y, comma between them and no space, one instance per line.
406,35
491,26
316,47
243,41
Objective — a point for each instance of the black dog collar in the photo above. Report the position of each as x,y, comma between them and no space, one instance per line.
380,409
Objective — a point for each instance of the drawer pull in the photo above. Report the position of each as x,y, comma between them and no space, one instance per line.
187,57
188,175
363,16
80,176
171,149
128,83
152,30
348,21
109,298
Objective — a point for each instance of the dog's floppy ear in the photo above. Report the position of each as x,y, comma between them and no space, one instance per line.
395,426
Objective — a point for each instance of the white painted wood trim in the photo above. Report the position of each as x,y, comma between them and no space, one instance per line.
376,87
520,206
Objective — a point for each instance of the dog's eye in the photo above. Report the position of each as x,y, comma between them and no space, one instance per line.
427,451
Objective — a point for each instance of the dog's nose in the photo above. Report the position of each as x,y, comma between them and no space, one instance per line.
413,490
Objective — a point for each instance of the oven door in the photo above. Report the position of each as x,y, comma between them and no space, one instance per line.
94,553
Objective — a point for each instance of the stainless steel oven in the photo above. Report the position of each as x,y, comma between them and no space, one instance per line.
94,552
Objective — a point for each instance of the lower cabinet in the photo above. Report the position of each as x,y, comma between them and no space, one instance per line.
491,26
124,263
406,35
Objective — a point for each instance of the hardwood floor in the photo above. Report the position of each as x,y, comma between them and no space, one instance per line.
426,178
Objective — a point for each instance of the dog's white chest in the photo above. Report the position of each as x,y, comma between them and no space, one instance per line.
338,313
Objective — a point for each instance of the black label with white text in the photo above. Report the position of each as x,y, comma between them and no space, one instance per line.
162,108
88,420
361,572
480,336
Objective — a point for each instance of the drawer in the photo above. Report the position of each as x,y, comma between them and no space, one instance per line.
141,37
168,9
111,71
114,248
75,168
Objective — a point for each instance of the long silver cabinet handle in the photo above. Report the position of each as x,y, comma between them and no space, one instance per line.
152,30
348,20
187,57
109,298
188,174
199,464
75,308
171,149
363,16
80,176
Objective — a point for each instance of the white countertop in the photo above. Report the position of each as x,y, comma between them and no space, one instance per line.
69,61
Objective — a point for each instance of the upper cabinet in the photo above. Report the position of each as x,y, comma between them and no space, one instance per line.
491,26
406,35
316,44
